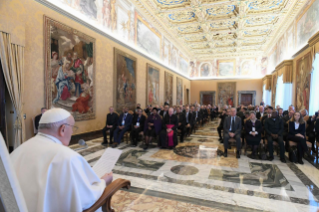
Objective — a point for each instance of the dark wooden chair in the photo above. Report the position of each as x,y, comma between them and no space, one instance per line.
105,199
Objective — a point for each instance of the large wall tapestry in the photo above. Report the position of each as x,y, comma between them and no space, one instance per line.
69,69
303,76
308,24
273,89
124,80
168,88
226,68
179,91
152,82
226,93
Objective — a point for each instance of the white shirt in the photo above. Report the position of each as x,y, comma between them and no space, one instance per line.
53,177
296,126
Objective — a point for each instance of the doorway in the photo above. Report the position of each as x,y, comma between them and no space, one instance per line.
207,97
246,98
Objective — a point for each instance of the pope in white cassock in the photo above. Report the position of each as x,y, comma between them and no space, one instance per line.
52,176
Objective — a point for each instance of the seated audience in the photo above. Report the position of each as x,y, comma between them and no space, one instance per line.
253,130
267,115
232,129
168,136
310,128
111,124
297,133
52,176
286,128
280,113
181,123
291,107
317,126
38,117
222,117
123,125
274,128
152,127
137,126
164,112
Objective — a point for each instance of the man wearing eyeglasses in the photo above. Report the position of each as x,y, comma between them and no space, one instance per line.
52,176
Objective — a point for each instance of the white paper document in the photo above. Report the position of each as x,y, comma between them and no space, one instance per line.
107,161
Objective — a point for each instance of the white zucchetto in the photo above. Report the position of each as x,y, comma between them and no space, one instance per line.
54,115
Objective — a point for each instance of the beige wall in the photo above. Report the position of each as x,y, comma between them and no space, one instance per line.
24,20
211,85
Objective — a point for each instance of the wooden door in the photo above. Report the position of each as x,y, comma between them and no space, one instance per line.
246,99
2,104
207,99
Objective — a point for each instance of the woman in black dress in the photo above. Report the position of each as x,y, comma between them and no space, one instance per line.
297,133
253,133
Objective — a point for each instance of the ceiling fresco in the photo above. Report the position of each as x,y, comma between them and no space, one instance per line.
219,28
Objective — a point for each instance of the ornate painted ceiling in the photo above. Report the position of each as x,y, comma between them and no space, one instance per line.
219,28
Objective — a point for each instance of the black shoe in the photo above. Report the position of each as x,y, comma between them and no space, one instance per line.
300,161
225,154
145,147
104,142
271,158
114,145
237,155
309,156
283,160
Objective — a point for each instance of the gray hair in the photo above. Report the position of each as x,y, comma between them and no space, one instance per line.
50,126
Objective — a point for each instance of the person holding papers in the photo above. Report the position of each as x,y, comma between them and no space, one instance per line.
52,176
137,126
124,125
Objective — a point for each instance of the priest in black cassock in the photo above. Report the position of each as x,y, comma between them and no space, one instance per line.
168,136
181,122
111,124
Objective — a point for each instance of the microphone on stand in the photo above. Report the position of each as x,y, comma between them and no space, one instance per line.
83,144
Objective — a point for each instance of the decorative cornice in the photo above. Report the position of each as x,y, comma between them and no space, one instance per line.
284,63
313,40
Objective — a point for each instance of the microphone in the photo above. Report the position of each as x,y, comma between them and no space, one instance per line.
81,143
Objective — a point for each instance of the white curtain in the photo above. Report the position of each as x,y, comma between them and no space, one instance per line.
266,96
12,60
314,87
283,93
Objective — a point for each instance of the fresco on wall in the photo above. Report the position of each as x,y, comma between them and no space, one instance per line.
123,21
308,24
147,38
124,80
281,49
205,70
152,82
69,69
179,91
192,69
226,68
273,89
183,66
303,79
272,61
168,87
248,67
290,41
226,92
264,63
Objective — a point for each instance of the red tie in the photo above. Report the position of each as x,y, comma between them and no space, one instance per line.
269,116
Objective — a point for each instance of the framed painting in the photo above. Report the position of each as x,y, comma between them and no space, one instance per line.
179,91
226,68
124,91
69,69
273,89
303,79
152,83
168,88
226,93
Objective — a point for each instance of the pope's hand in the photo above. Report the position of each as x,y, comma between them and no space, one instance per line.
108,178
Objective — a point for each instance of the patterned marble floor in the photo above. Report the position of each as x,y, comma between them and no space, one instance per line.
193,177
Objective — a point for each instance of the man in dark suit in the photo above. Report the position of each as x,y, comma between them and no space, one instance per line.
188,121
38,117
137,126
164,112
260,113
181,122
111,124
232,129
267,115
241,112
317,126
221,123
274,128
124,124
310,126
291,107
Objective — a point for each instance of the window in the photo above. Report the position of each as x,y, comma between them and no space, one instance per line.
314,87
266,96
283,93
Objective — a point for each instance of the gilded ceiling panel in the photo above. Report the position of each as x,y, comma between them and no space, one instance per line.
189,29
168,4
182,17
